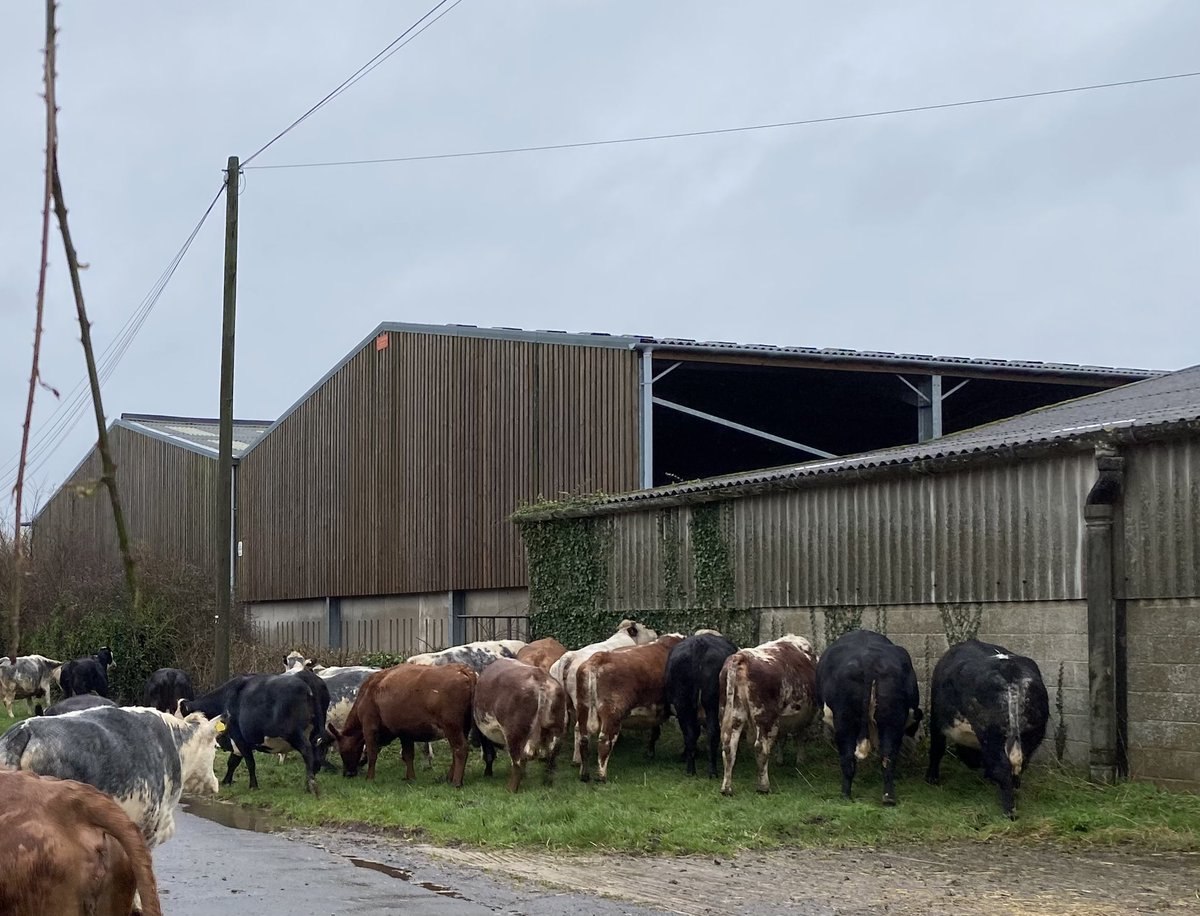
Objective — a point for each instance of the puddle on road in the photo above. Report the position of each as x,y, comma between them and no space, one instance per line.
234,816
405,875
239,818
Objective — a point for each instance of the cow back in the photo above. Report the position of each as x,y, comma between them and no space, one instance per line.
542,653
414,699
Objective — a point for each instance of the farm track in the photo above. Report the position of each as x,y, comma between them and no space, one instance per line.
967,879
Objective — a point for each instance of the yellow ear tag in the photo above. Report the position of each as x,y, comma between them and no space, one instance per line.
220,728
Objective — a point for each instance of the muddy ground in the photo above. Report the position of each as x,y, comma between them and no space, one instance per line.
966,879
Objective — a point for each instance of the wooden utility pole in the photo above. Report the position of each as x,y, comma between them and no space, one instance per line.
225,443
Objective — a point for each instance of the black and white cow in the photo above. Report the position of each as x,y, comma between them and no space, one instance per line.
343,682
264,712
87,675
75,704
868,691
993,705
26,677
142,758
693,682
475,655
166,687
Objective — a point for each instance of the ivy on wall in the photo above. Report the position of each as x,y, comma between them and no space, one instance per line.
672,593
960,621
711,561
568,578
841,620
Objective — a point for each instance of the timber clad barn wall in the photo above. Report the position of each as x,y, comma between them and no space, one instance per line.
168,494
397,475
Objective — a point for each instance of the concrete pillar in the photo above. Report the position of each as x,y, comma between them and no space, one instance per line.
1105,762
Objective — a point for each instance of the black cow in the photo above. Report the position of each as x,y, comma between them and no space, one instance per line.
87,675
264,712
74,704
166,687
869,696
993,705
693,685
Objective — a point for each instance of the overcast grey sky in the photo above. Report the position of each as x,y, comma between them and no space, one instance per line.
1060,228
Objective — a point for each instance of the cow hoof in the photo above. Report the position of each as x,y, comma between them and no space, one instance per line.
726,791
602,779
889,801
933,780
763,790
1011,815
584,777
311,786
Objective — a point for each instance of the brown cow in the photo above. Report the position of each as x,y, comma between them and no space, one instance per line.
522,708
412,703
771,688
66,848
542,653
627,684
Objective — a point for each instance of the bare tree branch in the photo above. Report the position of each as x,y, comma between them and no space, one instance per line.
14,618
109,470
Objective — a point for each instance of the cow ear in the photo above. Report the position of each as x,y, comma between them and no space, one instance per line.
633,630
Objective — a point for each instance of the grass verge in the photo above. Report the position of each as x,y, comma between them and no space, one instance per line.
651,806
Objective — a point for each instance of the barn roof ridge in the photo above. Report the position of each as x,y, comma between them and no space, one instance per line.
830,355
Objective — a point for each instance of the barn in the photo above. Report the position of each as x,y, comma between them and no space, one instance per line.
167,478
374,514
1069,533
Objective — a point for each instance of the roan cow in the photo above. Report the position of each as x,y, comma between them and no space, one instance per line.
26,677
166,687
67,848
993,705
412,703
142,758
627,684
542,653
693,673
342,681
475,655
629,633
265,712
75,704
521,708
772,690
868,691
87,675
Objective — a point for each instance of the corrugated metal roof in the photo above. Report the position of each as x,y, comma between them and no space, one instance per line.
831,355
200,434
1166,399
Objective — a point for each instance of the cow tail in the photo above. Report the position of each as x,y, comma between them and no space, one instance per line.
106,815
736,687
319,712
593,700
867,731
1012,748
14,744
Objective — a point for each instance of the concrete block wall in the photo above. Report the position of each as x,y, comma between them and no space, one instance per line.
1163,638
290,623
1047,632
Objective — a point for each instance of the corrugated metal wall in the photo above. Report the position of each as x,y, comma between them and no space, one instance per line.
167,493
398,475
1162,520
988,533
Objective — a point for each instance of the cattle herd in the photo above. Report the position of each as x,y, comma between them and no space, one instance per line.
988,701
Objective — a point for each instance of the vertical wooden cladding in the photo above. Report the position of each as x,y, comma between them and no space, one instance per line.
1162,520
168,494
988,533
398,474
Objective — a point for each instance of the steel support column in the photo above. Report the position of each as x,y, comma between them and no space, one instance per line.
647,418
929,407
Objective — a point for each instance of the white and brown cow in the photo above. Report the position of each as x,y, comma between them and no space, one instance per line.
542,653
475,655
26,677
629,633
772,690
520,707
618,686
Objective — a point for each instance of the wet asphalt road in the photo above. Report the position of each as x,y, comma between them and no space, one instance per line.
207,868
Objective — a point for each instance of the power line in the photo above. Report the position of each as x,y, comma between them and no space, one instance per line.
399,42
730,130
51,434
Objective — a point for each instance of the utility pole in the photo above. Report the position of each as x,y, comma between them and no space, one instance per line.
225,443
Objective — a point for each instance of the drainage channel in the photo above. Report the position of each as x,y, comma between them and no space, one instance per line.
239,818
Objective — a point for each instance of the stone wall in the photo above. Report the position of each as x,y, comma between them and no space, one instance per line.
1051,633
1163,638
